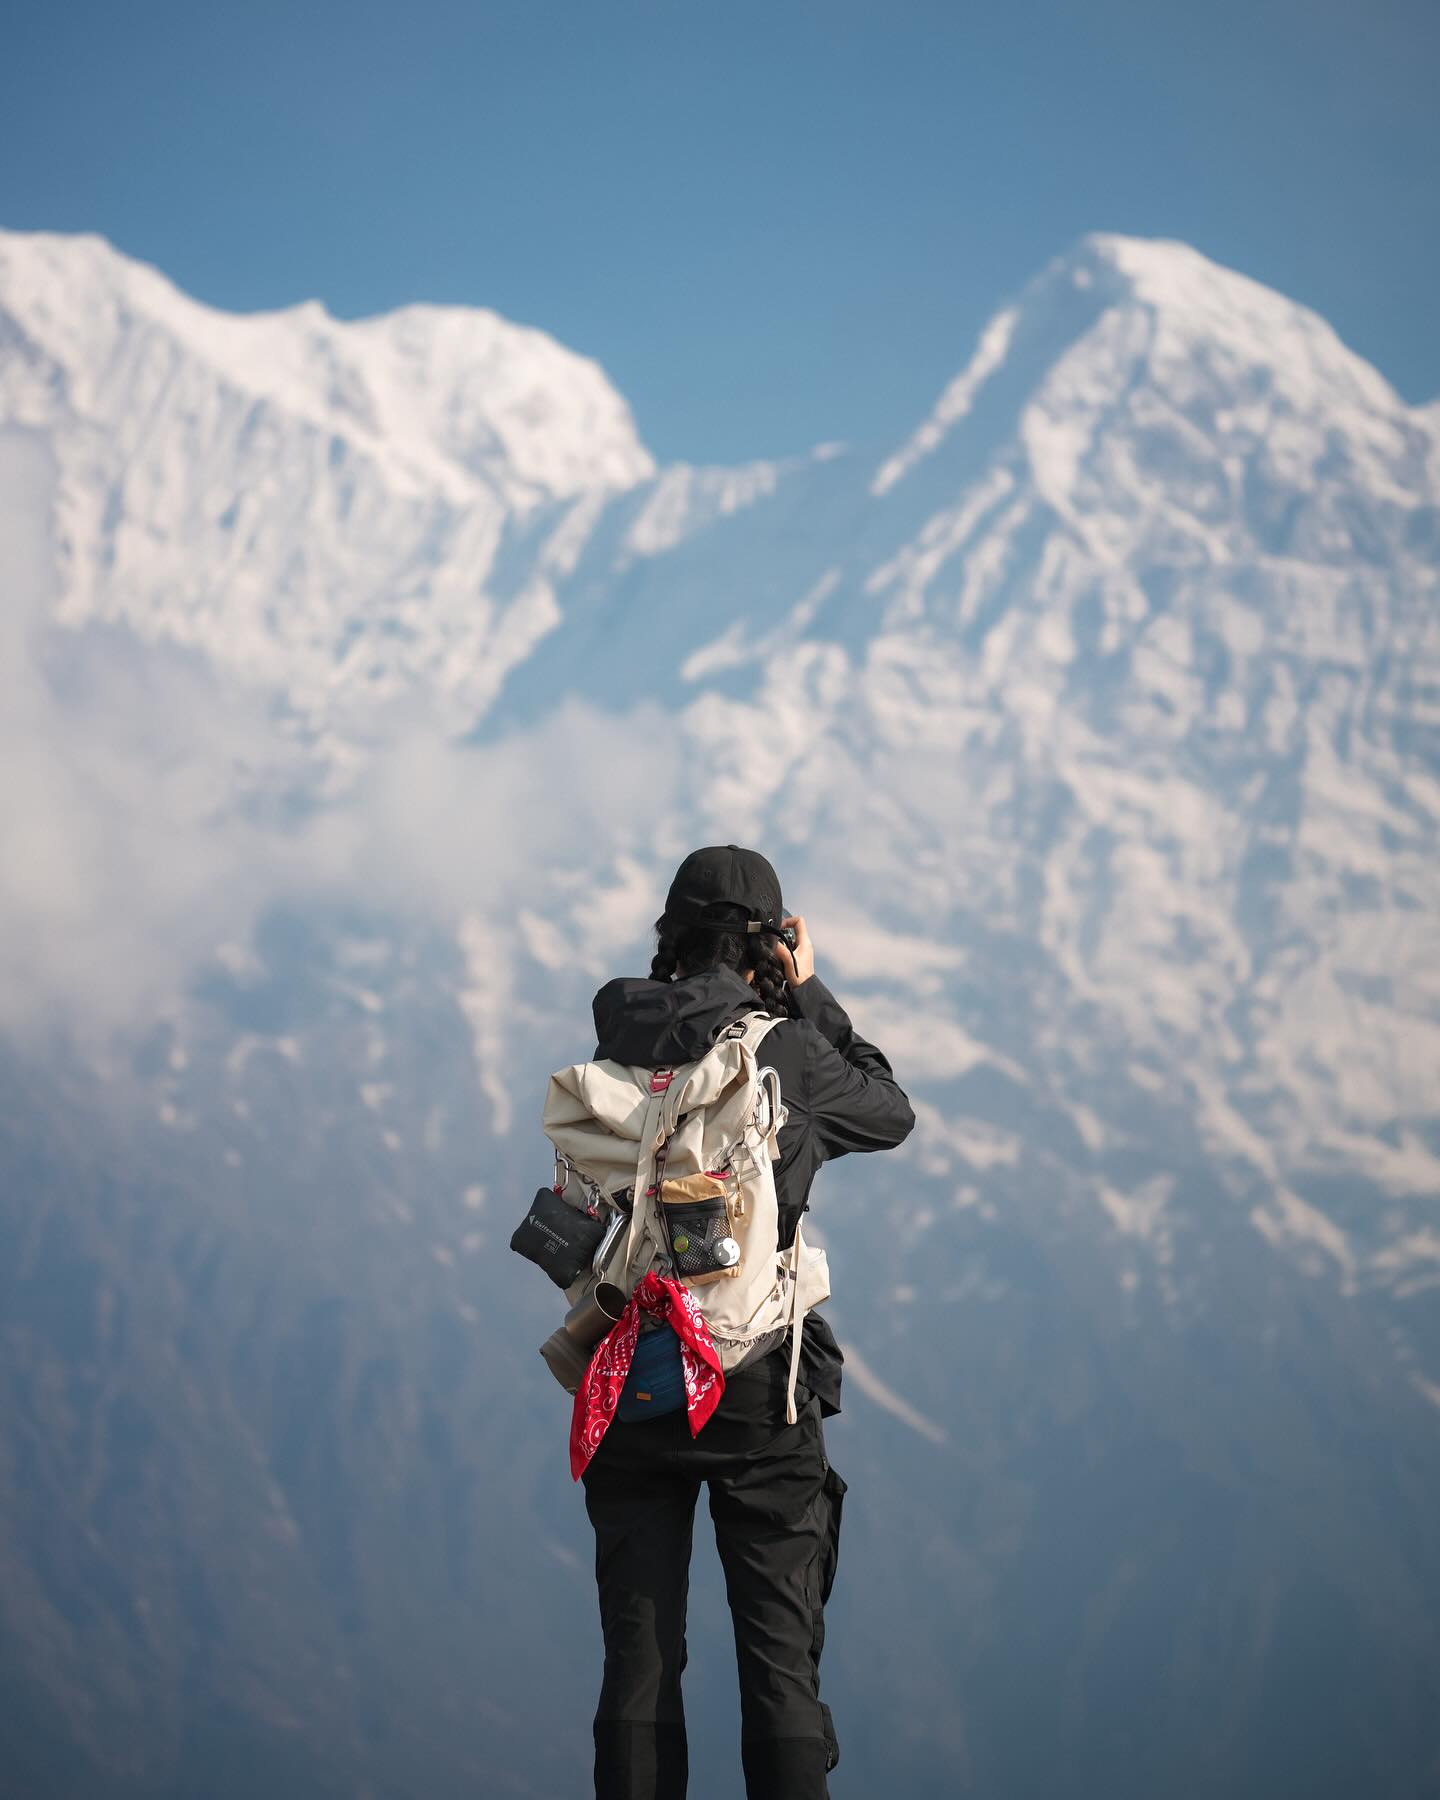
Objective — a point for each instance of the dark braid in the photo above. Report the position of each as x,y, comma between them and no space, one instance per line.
692,948
770,982
666,959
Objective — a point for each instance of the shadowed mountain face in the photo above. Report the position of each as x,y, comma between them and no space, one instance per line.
362,685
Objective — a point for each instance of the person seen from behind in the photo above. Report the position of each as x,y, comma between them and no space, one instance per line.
730,964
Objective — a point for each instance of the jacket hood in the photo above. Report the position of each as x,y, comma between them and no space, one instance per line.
658,1024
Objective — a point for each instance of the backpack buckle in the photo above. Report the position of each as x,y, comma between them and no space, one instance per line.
661,1080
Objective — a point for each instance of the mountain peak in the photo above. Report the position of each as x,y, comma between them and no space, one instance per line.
1192,298
458,396
1115,312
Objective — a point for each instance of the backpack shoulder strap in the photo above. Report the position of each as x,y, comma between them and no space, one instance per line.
757,1027
753,1029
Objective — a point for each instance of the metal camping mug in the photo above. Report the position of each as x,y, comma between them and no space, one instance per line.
564,1358
594,1313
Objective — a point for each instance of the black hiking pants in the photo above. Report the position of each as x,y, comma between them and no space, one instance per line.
775,1502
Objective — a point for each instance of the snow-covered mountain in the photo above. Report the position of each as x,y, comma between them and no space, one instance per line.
320,504
378,682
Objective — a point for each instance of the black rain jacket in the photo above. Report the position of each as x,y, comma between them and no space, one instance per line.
838,1089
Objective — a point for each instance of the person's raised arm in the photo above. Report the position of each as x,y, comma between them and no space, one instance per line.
854,1100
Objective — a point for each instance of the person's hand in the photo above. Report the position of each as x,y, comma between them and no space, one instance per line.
799,963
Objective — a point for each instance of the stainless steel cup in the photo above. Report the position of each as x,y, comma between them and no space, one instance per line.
594,1313
564,1358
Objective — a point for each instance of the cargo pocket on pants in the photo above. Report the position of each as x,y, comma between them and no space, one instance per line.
834,1491
832,1498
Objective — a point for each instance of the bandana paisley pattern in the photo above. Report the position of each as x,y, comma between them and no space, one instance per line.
599,1393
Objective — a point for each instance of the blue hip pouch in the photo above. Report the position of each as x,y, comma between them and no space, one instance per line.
656,1382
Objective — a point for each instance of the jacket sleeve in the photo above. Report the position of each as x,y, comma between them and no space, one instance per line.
855,1101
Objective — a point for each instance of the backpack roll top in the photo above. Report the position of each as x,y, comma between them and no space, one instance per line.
595,1116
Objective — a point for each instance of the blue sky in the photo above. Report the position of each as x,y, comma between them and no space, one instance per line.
775,224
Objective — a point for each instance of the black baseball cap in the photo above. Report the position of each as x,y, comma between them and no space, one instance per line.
725,875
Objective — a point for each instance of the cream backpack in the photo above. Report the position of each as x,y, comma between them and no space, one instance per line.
683,1162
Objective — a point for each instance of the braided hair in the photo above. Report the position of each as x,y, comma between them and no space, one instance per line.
692,947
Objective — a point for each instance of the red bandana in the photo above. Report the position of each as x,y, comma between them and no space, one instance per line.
599,1393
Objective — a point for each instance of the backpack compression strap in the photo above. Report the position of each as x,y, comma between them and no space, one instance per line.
797,1325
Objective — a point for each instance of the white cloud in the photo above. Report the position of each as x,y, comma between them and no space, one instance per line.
151,809
124,853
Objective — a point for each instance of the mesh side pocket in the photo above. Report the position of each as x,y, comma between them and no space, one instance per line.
700,1239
